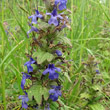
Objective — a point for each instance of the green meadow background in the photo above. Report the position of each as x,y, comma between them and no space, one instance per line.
89,34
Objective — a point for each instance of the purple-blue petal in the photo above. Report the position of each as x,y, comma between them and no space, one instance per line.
56,2
59,16
56,75
57,69
31,30
58,52
26,63
37,12
24,105
51,91
53,20
22,83
97,71
51,70
21,96
24,100
62,6
32,60
54,97
51,77
54,13
34,20
25,76
59,93
38,15
30,68
46,71
54,16
55,92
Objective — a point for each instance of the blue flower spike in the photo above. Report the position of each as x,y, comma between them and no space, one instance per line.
25,99
25,76
55,93
62,4
28,64
58,52
35,16
54,16
52,71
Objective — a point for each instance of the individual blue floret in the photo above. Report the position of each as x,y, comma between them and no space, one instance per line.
35,16
28,64
55,93
54,17
52,71
25,76
25,99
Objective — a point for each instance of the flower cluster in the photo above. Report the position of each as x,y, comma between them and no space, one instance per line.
24,100
55,92
52,71
28,64
54,17
35,16
44,57
24,77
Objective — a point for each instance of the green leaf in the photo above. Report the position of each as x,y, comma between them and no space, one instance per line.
5,36
97,107
11,52
68,77
96,87
43,56
49,57
75,91
64,40
45,93
65,106
37,91
85,95
22,8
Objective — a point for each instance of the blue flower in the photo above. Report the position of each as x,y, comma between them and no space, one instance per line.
55,93
32,29
97,71
35,16
51,70
24,100
54,16
25,76
58,52
28,64
62,4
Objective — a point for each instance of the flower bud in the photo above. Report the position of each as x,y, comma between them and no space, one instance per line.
58,52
